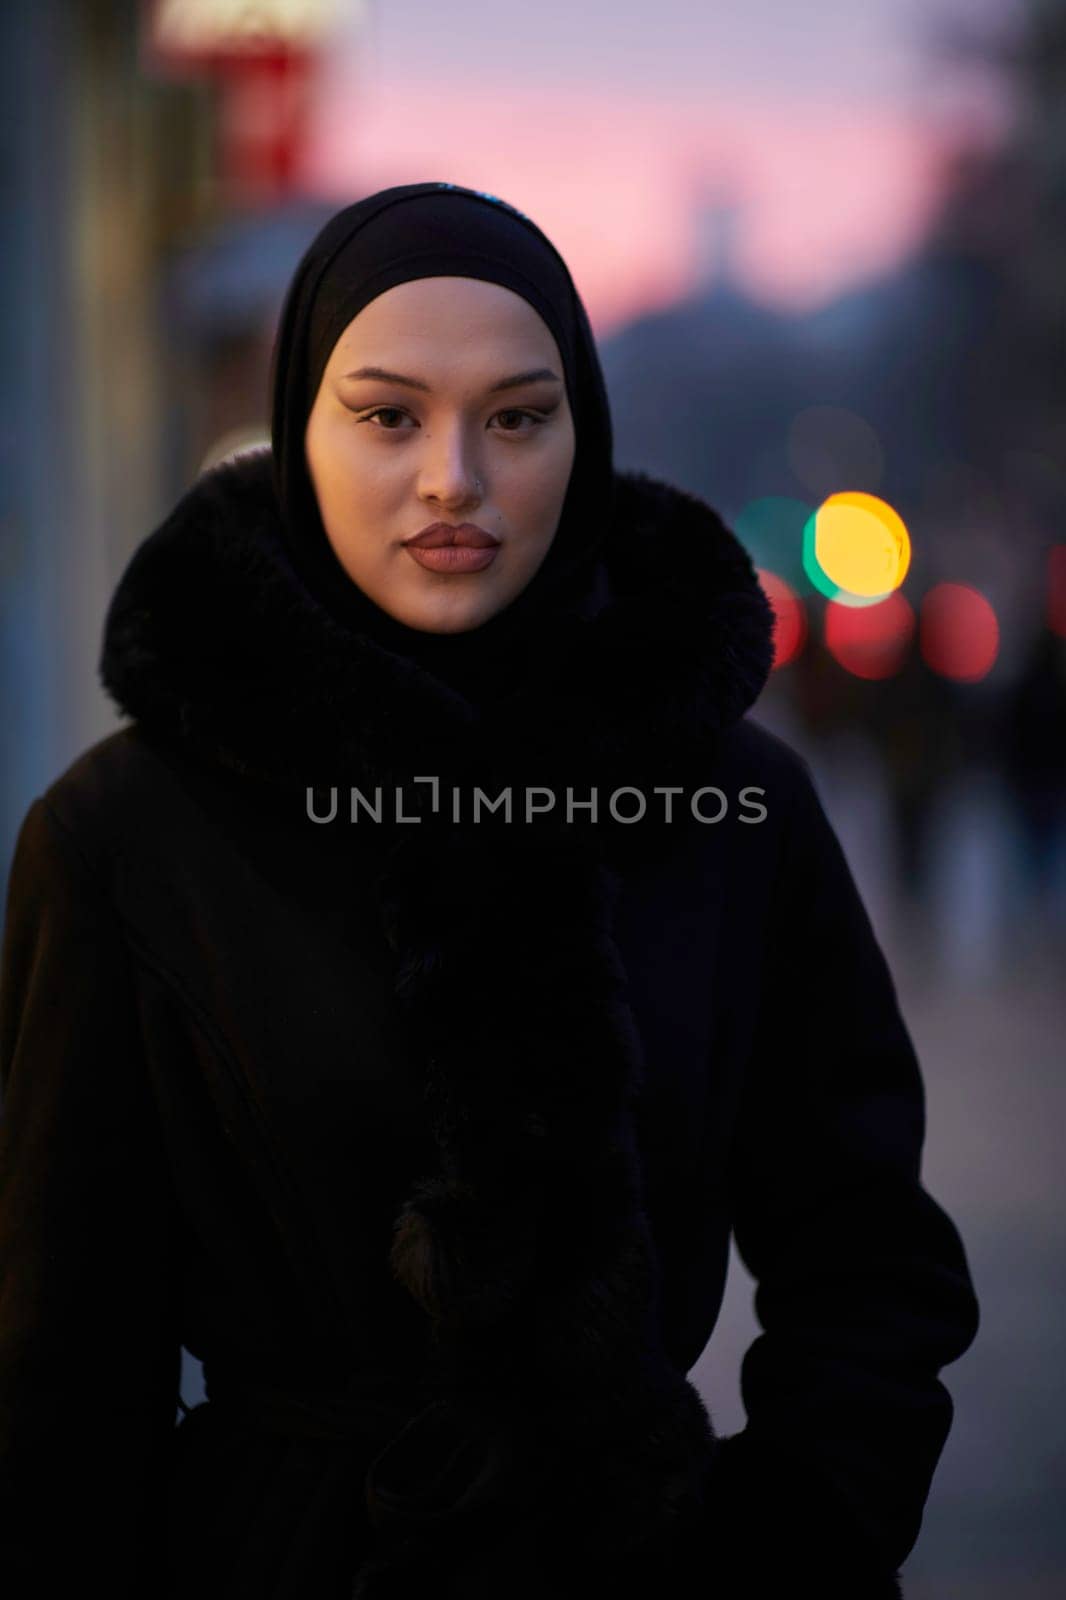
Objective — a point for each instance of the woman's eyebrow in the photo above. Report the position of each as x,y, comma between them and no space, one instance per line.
534,375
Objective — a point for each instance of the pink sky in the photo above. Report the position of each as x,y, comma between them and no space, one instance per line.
830,188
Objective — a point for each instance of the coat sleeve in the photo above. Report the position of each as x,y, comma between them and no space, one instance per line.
90,1351
863,1291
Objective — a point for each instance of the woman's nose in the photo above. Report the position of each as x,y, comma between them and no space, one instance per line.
450,474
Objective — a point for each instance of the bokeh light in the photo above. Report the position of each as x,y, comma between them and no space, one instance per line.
828,445
958,632
856,548
790,626
870,641
771,530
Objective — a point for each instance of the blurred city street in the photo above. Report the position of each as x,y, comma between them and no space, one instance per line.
983,1000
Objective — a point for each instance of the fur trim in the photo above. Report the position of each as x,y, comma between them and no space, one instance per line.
209,635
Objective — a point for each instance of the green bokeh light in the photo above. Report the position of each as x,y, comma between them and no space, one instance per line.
772,531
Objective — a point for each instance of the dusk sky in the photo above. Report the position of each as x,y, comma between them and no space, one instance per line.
613,125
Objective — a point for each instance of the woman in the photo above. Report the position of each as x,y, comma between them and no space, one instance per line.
403,1008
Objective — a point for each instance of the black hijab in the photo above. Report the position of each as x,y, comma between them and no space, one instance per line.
421,230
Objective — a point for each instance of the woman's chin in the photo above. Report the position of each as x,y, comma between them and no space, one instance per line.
451,613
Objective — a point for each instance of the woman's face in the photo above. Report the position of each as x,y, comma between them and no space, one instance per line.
447,436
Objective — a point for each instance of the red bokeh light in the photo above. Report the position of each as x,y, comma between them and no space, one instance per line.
870,641
790,627
958,631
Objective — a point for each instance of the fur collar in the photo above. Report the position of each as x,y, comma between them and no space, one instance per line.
208,636
558,1424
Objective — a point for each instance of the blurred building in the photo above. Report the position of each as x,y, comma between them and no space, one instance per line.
154,218
107,170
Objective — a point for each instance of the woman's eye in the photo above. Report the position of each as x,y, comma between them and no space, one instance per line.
531,416
388,411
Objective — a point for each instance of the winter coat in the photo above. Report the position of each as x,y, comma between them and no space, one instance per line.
213,1113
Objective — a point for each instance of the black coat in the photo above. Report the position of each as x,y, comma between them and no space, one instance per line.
212,1115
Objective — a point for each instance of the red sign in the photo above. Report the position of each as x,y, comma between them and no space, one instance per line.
192,36
262,56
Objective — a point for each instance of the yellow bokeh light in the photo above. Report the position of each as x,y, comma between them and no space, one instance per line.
861,543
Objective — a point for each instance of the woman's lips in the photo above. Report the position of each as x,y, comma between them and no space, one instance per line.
453,557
